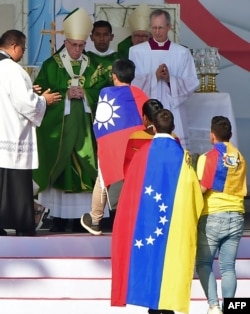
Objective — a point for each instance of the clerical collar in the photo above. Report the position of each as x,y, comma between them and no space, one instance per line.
5,53
99,53
155,45
66,60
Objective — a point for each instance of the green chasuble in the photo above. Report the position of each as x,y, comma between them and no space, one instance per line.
66,144
123,47
98,74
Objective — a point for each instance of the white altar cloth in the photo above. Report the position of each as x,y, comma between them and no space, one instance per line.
201,107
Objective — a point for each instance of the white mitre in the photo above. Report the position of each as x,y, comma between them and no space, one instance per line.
77,25
139,18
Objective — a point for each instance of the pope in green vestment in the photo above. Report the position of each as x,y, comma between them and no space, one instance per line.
66,145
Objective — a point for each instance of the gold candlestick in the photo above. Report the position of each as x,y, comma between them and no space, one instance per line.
209,83
203,86
213,82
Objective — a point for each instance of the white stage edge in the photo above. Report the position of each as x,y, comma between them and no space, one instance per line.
71,274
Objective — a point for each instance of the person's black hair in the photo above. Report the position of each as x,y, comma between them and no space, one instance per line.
102,23
164,121
12,36
221,127
150,107
124,69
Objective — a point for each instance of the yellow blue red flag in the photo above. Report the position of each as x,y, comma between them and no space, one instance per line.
223,169
154,233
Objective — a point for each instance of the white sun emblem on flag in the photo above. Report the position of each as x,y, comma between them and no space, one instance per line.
105,112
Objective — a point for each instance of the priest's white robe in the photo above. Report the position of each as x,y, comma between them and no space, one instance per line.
183,80
21,111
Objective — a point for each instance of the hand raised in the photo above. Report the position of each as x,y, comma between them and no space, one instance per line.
51,98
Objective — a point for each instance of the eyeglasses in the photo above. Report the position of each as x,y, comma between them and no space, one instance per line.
23,48
75,45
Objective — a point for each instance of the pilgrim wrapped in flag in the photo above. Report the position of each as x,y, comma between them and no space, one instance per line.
119,113
154,233
222,169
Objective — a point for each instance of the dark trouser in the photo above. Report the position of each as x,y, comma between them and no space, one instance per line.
16,200
113,194
114,191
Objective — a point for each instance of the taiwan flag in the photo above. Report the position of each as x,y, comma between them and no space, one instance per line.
155,228
118,114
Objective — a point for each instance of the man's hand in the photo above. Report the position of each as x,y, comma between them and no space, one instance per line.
162,73
51,98
37,89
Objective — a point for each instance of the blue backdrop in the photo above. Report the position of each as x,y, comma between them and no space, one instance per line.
41,14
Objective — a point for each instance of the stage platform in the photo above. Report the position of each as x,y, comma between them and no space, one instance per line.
71,274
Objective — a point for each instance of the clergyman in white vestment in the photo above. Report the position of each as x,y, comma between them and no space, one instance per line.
165,71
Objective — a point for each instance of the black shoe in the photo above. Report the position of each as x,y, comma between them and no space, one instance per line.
86,222
3,232
59,225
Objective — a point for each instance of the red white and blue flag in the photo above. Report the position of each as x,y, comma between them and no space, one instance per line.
118,114
223,169
154,233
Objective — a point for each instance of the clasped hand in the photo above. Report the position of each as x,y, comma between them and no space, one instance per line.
75,92
162,73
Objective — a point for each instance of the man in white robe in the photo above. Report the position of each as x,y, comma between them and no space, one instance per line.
165,71
21,111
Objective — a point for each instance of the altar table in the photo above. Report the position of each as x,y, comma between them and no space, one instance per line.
201,107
